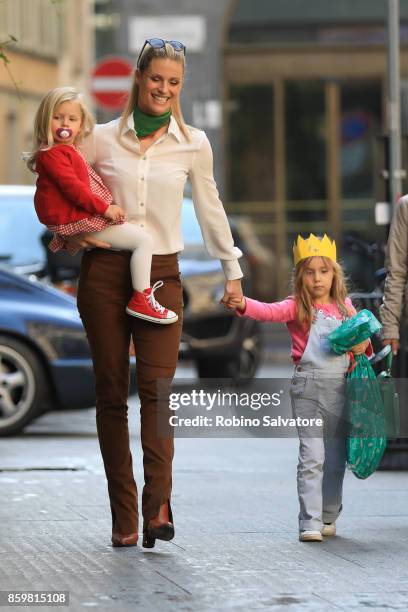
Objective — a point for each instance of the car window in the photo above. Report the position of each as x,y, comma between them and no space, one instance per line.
20,231
189,225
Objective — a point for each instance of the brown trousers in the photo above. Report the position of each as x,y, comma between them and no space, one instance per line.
104,290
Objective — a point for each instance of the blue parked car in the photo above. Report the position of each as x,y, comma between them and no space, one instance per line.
45,362
44,356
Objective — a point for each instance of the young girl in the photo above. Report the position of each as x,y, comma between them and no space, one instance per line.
319,305
71,198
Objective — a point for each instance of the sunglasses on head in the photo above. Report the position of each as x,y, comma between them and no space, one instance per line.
159,43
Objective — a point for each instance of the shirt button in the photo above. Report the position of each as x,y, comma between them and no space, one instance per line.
141,225
144,157
141,203
142,178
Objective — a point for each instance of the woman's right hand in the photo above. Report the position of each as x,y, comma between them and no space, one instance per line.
86,241
394,344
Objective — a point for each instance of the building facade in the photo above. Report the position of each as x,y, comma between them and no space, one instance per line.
292,94
306,82
54,47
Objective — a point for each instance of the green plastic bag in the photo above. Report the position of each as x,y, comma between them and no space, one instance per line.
358,328
367,436
366,440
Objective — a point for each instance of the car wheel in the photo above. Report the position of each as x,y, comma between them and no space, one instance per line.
240,368
23,386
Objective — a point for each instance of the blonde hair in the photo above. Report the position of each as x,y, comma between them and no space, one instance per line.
150,53
42,138
303,299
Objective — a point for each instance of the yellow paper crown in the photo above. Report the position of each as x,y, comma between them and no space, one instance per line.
314,247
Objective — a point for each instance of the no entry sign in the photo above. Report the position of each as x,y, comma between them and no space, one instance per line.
110,81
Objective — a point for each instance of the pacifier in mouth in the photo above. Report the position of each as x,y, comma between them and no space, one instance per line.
64,133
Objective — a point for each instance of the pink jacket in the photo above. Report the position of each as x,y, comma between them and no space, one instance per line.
286,312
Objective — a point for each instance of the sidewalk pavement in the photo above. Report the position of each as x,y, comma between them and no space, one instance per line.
236,546
235,508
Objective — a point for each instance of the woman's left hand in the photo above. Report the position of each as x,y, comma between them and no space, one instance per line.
232,292
360,349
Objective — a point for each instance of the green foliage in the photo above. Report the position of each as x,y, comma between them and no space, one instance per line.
12,39
6,60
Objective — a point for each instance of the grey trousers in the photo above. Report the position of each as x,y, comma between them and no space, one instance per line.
322,453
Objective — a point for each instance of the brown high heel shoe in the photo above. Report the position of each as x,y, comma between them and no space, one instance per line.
160,527
121,540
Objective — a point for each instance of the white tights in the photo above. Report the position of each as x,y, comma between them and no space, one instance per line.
129,237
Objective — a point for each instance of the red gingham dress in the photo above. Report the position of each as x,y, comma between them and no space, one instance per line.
95,223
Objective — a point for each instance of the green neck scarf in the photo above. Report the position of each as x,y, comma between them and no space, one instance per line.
146,124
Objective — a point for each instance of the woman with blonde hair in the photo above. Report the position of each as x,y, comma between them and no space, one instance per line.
144,158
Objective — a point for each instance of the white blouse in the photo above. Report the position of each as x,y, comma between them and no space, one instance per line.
149,186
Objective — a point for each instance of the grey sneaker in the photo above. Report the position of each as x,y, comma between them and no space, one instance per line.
310,536
329,529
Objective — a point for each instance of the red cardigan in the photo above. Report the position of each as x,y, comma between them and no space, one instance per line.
63,192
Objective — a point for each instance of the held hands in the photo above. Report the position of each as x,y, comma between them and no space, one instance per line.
394,344
360,348
114,213
237,304
233,297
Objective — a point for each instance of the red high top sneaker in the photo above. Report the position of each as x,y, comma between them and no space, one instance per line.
143,305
